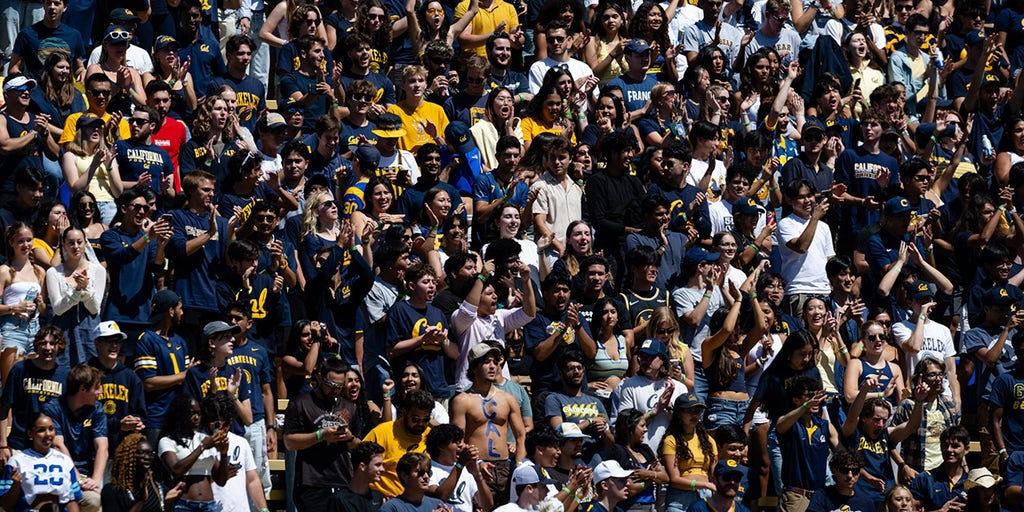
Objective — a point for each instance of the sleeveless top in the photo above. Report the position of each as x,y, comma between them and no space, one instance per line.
739,384
603,366
884,373
614,69
19,291
99,185
827,367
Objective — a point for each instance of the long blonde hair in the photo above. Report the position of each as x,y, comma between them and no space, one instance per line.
664,315
78,144
310,214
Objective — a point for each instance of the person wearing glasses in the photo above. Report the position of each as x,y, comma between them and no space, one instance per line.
469,104
170,69
401,437
357,50
305,20
128,89
414,474
132,250
28,134
98,89
139,161
316,427
846,467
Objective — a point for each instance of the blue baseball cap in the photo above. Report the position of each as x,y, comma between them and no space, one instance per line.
698,255
746,206
637,46
457,134
653,347
897,206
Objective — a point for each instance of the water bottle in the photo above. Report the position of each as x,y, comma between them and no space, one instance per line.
937,57
987,150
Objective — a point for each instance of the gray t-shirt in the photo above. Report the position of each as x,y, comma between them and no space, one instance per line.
684,300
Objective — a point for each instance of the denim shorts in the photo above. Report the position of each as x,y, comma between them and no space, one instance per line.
724,412
184,505
18,332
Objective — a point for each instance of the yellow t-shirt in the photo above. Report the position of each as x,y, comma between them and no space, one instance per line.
70,128
413,121
698,464
396,442
532,128
485,21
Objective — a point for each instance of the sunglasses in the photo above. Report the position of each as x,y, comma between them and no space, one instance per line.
328,204
876,337
333,386
922,178
364,98
265,218
100,93
557,39
434,11
139,207
20,89
421,473
120,36
375,16
137,120
665,332
313,22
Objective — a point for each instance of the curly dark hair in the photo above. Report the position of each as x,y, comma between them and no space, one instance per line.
382,38
640,28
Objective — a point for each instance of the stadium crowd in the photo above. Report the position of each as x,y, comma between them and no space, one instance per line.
556,255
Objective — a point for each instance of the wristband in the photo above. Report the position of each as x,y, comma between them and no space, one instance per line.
860,345
881,394
707,295
319,436
804,405
459,465
565,489
773,188
482,278
1002,451
1002,208
693,485
921,317
753,296
145,237
661,248
897,267
844,351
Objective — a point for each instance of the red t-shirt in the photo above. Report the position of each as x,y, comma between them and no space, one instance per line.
170,137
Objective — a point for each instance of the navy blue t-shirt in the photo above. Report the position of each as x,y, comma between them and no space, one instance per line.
135,159
80,429
254,360
805,454
829,500
679,201
29,156
297,82
933,489
405,322
876,462
206,60
288,60
194,285
636,92
131,282
197,384
158,357
27,390
858,170
466,108
544,374
385,88
26,45
349,135
1004,395
123,395
249,92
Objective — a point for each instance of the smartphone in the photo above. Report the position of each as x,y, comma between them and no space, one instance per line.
678,363
167,218
234,466
856,84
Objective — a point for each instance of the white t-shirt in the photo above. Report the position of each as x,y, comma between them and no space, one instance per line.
461,499
804,273
936,342
697,170
203,466
640,393
234,496
578,69
135,57
401,160
53,473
